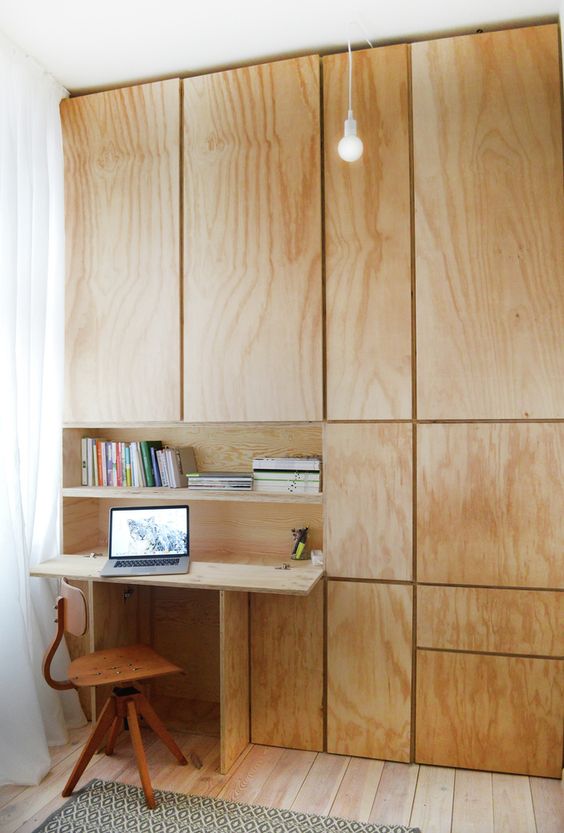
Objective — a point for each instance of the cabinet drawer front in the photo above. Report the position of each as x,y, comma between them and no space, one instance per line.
493,713
501,621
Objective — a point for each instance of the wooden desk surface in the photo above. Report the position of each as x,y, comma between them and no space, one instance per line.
299,580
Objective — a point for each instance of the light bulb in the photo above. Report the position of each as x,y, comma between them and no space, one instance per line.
350,147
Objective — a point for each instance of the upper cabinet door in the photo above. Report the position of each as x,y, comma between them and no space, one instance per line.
489,211
368,239
122,194
252,244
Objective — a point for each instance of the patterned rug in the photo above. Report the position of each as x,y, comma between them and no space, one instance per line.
110,807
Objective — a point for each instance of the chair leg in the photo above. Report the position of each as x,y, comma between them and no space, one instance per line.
137,741
117,726
159,728
97,735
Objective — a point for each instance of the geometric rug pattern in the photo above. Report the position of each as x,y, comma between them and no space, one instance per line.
111,807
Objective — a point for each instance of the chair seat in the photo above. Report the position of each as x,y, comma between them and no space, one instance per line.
119,665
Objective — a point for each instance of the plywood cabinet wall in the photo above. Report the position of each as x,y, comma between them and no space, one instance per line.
368,239
484,499
252,233
489,262
122,202
442,470
487,137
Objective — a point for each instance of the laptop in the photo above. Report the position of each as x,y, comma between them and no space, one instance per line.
147,540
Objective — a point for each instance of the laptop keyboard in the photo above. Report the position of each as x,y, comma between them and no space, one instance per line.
148,562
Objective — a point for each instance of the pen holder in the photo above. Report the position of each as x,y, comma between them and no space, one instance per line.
300,550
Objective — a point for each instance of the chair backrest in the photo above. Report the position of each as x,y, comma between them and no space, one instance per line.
72,617
75,612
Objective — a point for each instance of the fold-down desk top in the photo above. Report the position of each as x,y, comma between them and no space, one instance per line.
299,580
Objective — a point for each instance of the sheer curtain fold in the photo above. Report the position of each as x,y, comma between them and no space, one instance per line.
31,376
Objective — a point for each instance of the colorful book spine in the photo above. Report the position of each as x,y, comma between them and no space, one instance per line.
146,460
84,461
128,480
155,465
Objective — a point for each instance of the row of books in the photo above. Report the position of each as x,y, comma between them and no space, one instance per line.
148,464
137,464
300,475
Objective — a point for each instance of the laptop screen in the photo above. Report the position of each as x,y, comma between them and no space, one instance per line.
141,531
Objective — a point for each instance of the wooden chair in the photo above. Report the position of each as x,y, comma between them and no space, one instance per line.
123,666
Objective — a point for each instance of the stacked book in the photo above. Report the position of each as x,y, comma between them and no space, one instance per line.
220,480
300,475
134,464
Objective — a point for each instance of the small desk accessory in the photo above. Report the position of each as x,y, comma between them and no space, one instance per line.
299,551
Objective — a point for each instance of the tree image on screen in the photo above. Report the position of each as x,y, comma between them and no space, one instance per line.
147,537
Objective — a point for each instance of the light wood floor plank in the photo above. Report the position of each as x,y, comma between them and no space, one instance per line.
548,804
403,794
283,784
357,791
38,802
513,804
432,807
249,777
77,737
395,794
167,774
101,766
321,784
473,802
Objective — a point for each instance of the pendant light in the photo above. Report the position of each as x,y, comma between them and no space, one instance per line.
350,147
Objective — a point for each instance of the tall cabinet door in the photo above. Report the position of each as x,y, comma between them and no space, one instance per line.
122,197
369,645
368,239
252,244
489,210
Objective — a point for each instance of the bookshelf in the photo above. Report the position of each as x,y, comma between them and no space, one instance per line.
183,495
242,527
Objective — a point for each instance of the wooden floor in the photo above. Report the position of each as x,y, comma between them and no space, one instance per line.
438,800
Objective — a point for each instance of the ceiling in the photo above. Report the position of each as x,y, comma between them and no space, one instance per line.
89,46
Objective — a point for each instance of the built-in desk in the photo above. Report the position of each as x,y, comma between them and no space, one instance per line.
298,580
210,606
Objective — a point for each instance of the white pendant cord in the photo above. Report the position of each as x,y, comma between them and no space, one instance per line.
350,147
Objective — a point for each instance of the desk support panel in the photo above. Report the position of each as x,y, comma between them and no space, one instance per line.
234,676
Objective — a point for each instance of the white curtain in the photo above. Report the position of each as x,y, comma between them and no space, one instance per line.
31,383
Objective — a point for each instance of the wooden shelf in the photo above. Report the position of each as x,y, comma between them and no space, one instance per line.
299,580
147,493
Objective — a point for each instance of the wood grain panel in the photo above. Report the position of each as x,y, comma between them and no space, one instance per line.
81,530
432,804
368,501
242,533
185,630
368,239
113,623
489,209
234,674
287,670
123,274
489,507
501,621
369,670
489,712
252,199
